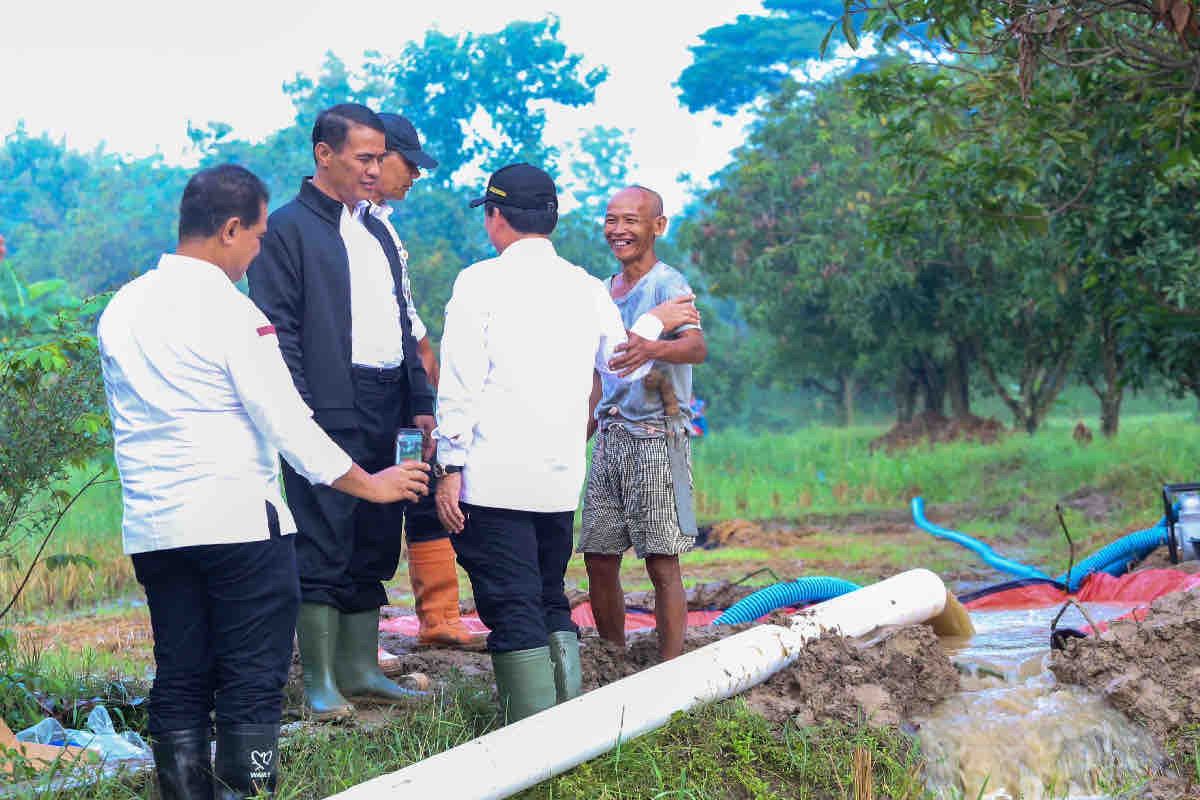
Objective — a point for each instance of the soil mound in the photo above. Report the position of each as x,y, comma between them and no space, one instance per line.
933,428
886,678
1148,669
883,679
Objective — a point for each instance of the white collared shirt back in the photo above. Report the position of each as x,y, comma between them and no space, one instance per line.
202,404
524,331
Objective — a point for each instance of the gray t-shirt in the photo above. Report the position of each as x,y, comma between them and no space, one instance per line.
632,401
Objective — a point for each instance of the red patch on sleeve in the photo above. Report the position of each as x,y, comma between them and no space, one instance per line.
266,330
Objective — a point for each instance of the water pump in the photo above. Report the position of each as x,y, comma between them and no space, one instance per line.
1181,509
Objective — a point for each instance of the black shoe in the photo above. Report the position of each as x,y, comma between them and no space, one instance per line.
183,761
247,761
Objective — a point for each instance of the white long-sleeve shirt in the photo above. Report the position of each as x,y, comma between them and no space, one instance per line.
202,405
383,213
376,336
523,333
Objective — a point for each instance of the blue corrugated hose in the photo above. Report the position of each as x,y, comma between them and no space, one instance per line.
1113,558
990,556
790,593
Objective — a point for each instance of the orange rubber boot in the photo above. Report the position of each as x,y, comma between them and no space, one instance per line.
435,588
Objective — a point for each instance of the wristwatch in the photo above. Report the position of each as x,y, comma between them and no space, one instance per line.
442,470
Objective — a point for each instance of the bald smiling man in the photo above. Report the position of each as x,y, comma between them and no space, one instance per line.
639,485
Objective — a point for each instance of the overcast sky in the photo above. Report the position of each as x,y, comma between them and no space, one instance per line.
131,73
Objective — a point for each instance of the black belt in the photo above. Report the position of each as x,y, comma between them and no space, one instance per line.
379,374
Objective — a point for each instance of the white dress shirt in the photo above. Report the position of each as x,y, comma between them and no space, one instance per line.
376,337
383,213
523,333
202,404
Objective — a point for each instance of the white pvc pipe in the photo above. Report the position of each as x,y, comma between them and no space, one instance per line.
537,748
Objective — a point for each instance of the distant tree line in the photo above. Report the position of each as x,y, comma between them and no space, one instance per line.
930,225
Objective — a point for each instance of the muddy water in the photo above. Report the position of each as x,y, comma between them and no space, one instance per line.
1014,733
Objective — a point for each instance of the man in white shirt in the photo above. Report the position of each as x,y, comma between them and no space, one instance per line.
329,278
523,333
202,405
430,555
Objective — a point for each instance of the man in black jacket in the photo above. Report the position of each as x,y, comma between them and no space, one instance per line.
327,278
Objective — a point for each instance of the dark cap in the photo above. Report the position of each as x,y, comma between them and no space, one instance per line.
402,138
520,186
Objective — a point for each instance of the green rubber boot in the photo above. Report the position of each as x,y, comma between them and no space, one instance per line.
524,681
317,630
357,665
568,673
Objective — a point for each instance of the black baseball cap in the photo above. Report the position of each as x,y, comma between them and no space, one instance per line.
520,186
402,138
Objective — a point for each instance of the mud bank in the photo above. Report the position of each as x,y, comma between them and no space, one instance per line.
885,679
1146,668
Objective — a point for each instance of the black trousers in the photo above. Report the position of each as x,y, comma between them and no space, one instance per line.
223,617
516,561
347,548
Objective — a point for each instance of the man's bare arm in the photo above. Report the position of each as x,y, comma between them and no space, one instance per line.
688,348
428,360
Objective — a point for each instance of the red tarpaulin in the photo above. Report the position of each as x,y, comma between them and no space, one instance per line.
407,625
1137,587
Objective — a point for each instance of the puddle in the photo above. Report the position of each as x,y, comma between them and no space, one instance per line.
1014,732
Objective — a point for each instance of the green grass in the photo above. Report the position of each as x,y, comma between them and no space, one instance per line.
826,470
719,751
810,471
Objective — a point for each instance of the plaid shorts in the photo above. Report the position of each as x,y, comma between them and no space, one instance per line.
630,497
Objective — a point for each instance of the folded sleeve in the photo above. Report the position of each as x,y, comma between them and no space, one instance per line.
675,285
464,369
265,386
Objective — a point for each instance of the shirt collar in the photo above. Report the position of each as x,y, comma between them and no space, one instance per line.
324,205
381,210
533,246
197,268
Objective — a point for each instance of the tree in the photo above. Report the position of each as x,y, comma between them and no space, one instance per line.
52,419
785,234
757,55
479,99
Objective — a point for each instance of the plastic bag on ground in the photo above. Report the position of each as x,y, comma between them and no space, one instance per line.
100,737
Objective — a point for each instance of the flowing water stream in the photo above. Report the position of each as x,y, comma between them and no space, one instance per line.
1013,732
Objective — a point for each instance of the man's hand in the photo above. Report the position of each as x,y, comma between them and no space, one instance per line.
449,489
407,481
677,312
426,423
632,354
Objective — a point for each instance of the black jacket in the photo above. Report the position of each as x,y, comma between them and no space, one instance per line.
301,281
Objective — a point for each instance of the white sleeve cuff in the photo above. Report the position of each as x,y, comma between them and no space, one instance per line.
451,455
647,326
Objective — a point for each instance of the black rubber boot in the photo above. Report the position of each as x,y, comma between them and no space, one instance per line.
183,761
247,761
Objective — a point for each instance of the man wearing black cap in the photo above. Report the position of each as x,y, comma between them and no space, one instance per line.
430,555
512,418
330,279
